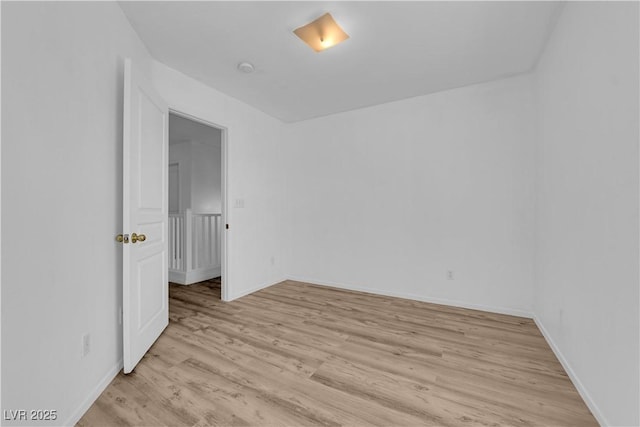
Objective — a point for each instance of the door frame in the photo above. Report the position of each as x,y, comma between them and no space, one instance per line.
224,182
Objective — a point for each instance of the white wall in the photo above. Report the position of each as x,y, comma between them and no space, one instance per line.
586,292
174,186
389,198
200,171
180,153
206,195
61,200
254,173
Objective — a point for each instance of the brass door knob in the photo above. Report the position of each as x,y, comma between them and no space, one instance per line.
138,238
122,238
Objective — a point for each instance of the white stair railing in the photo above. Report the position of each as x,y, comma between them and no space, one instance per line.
194,246
176,247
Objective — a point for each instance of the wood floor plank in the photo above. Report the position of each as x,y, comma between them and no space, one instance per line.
297,354
182,393
390,391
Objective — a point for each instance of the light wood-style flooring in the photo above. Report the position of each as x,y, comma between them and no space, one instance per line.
296,354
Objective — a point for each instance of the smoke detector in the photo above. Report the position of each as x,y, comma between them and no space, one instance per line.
246,67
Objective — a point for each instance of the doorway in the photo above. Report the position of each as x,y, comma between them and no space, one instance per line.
197,203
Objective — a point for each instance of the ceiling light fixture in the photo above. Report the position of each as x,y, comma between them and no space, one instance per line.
322,33
246,67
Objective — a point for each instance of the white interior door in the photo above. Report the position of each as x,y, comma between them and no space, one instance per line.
145,160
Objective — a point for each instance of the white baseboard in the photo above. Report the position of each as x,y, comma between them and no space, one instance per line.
572,375
194,276
94,394
442,301
177,277
255,289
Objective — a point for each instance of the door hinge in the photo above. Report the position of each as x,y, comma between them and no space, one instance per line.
226,226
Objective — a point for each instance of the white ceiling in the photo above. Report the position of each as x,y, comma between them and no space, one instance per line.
397,49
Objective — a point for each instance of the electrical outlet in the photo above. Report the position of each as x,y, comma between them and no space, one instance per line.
86,344
449,274
239,203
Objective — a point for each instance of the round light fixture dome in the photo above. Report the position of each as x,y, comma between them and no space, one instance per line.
246,67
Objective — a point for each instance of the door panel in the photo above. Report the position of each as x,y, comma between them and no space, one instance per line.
145,211
152,159
149,273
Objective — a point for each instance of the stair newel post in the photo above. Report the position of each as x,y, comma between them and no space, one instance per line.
188,240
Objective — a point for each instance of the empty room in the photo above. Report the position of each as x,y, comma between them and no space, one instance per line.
300,213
